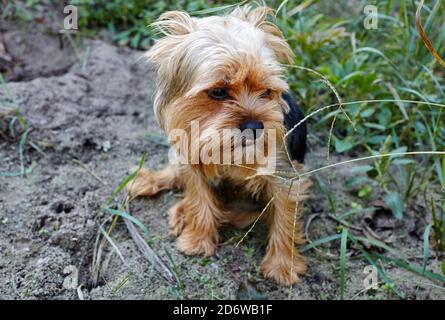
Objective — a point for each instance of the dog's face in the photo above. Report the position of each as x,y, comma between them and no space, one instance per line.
221,73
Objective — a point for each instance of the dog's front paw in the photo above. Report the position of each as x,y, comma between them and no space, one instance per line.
282,271
176,219
147,183
192,243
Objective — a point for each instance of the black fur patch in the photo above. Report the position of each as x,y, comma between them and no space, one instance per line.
296,141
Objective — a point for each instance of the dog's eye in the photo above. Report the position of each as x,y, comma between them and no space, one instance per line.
218,93
266,94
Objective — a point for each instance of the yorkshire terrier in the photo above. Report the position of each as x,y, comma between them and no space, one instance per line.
225,72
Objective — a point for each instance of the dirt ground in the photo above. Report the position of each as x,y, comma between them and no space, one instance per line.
88,105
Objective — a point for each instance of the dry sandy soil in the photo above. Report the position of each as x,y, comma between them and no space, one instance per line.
88,105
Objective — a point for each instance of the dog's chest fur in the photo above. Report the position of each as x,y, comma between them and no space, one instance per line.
234,195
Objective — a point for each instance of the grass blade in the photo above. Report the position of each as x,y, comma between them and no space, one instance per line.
381,245
344,241
115,247
424,37
321,241
426,238
218,9
124,214
174,269
22,145
413,268
126,181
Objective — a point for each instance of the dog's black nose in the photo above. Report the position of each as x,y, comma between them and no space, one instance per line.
253,125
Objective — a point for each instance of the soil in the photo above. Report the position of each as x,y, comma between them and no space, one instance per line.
88,106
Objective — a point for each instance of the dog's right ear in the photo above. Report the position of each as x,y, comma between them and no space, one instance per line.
166,57
174,23
172,27
274,37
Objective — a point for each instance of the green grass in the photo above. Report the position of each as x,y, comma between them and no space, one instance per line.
127,21
13,126
377,65
392,91
393,94
25,11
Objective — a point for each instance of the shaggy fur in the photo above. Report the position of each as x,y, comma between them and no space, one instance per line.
241,52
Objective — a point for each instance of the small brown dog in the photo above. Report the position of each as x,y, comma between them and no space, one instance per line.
223,72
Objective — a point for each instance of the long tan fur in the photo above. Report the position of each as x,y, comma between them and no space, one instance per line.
240,51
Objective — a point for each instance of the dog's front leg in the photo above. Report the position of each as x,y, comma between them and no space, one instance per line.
282,261
202,216
149,183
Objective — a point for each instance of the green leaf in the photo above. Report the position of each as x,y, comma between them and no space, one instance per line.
361,169
367,113
384,117
124,214
355,181
376,139
122,35
374,126
343,145
22,120
395,203
135,40
365,191
403,161
318,242
122,185
373,173
443,268
381,54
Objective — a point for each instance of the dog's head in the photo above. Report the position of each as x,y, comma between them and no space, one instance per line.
222,72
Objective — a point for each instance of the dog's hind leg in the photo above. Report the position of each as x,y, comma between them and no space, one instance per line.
150,183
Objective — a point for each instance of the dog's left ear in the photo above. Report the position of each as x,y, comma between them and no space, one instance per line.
174,23
259,17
